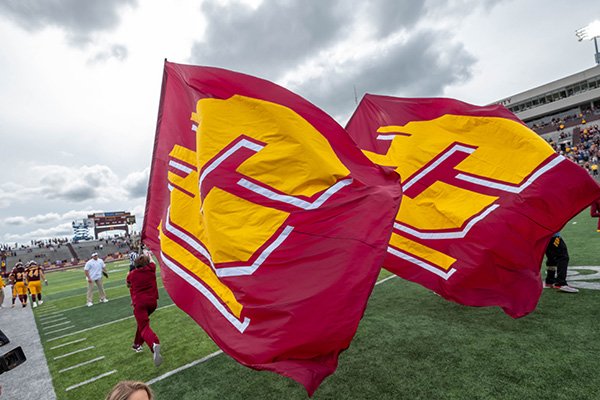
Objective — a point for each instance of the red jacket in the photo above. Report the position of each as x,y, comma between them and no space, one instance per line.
142,285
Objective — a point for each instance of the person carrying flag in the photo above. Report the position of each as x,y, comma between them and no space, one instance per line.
144,299
557,263
595,212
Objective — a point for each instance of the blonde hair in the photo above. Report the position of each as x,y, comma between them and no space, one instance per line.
124,389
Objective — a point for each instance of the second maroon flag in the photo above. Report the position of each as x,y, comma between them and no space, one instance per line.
482,194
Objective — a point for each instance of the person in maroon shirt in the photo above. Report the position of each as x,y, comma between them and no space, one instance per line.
141,282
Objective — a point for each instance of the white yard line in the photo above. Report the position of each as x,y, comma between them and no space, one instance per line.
48,307
216,353
83,306
83,294
49,321
183,367
90,380
60,330
101,325
81,364
385,279
74,352
68,343
49,315
55,325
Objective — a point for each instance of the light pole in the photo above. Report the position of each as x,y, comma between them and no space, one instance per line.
592,31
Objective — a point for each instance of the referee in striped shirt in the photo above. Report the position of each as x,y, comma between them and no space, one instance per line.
132,256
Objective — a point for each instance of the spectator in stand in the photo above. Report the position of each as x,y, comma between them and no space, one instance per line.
557,264
94,269
595,212
144,299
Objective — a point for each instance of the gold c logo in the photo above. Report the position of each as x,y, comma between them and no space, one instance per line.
454,170
257,163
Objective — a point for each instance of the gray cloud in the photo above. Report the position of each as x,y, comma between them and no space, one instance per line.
276,36
64,229
44,218
136,183
37,219
409,69
279,40
116,51
389,16
97,182
80,19
16,221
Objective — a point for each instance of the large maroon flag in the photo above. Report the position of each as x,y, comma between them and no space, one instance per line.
270,225
482,194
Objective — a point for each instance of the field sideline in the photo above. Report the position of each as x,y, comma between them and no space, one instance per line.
410,344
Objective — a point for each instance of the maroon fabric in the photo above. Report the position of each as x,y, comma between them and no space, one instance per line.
498,259
144,333
142,285
303,305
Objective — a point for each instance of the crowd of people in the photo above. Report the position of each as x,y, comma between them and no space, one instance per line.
562,122
586,153
48,254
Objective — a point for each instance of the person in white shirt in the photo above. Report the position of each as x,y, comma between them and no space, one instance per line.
94,269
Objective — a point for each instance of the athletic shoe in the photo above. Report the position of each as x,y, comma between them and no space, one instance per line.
33,305
137,348
13,306
104,300
157,357
547,285
24,305
40,302
566,289
90,304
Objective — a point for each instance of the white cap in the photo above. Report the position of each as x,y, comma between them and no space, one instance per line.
94,254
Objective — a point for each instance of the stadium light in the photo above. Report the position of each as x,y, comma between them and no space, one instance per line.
592,31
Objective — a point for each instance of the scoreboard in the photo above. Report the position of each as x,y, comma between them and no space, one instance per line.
112,218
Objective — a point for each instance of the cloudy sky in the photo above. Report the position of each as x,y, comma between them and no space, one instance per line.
80,79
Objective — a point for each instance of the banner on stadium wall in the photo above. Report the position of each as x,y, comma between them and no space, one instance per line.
269,224
482,194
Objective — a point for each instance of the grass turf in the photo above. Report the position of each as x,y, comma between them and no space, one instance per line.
411,344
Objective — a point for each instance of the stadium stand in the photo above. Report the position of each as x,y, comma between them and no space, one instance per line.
560,104
566,113
66,254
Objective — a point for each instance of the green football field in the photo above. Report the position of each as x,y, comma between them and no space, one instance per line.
411,344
